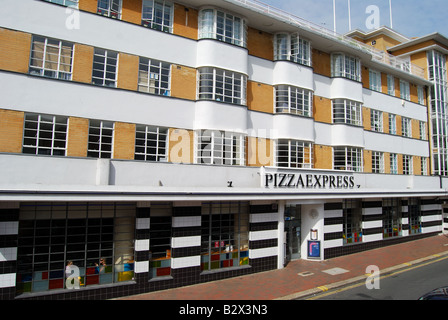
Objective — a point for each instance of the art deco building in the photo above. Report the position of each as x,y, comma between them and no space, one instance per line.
157,144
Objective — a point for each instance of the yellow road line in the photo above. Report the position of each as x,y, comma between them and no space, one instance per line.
323,288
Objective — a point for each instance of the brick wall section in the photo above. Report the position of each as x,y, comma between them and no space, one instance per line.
260,44
11,131
260,152
15,49
321,63
77,137
323,157
322,109
83,63
185,22
124,141
260,97
132,11
181,146
128,71
183,82
88,5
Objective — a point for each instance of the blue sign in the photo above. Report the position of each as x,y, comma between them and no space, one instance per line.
313,249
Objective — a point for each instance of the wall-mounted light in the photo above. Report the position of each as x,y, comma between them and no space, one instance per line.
313,234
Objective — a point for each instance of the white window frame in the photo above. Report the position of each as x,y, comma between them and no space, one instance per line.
109,59
422,130
347,111
348,159
110,11
424,164
67,3
45,134
391,85
294,154
158,15
393,163
405,90
293,100
151,143
44,66
345,66
421,95
211,26
375,80
407,164
215,147
99,146
291,47
376,120
377,162
406,127
212,84
154,77
392,124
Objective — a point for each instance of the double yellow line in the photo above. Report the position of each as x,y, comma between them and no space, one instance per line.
325,289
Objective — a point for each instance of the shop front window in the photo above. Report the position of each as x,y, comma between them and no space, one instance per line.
352,227
160,240
415,216
97,239
224,235
392,226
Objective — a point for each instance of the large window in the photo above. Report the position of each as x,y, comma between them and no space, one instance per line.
101,134
347,111
158,15
377,162
224,235
97,238
375,80
154,77
415,216
110,8
405,92
346,66
222,85
407,165
393,163
392,226
226,27
392,124
294,154
160,237
105,64
352,226
376,120
45,134
406,127
220,148
390,85
51,58
291,47
293,100
151,143
347,158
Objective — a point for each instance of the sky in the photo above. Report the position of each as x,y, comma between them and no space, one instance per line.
412,18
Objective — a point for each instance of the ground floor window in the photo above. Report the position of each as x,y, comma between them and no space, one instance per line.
352,227
415,216
160,239
224,235
97,238
392,226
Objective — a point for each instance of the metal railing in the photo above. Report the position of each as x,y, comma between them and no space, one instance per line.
377,55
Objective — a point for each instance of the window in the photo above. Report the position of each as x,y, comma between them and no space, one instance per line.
45,135
154,77
294,154
291,47
421,94
224,235
352,225
160,236
151,143
100,139
407,165
220,148
406,129
51,58
422,130
105,65
393,163
376,120
293,100
415,216
377,162
346,67
391,218
375,80
158,15
222,85
68,3
390,85
424,163
392,124
347,111
347,158
50,234
110,8
405,92
222,26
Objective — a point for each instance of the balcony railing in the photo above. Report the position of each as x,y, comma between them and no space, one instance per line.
377,55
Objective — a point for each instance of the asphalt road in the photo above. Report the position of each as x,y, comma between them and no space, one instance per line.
408,284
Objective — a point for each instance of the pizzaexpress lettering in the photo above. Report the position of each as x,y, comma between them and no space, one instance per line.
309,181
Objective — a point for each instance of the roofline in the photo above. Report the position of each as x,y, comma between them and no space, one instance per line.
382,30
433,36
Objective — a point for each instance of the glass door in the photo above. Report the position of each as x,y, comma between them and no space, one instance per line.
293,232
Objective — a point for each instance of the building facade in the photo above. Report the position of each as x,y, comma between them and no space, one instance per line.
150,144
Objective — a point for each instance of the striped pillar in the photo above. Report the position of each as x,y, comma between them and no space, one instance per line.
9,230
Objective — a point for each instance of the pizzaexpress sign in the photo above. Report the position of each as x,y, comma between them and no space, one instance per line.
308,181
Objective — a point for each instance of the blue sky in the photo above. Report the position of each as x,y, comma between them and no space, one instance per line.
412,18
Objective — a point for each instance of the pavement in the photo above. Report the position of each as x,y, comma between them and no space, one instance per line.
301,278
